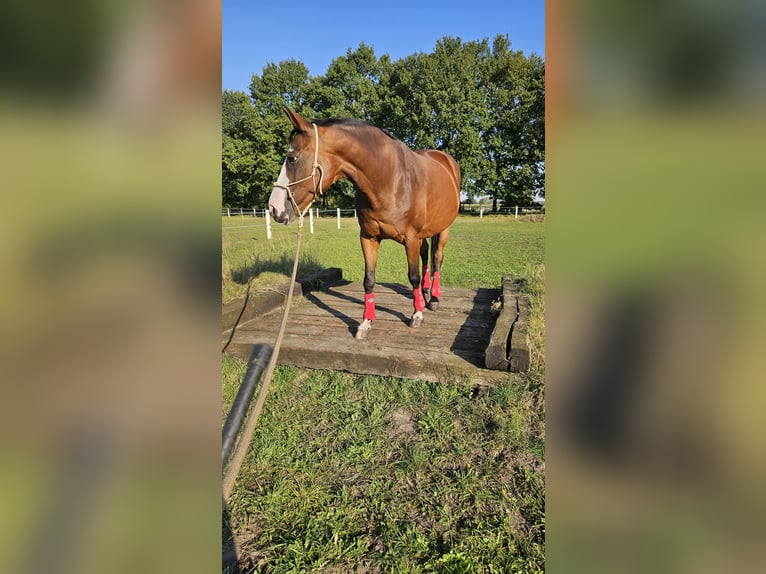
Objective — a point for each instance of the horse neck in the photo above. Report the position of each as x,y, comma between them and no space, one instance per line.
354,150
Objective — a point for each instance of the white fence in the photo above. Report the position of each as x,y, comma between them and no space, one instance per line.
242,212
474,209
250,213
247,214
482,210
254,212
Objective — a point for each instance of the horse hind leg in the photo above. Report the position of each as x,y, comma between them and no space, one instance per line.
437,257
414,249
425,282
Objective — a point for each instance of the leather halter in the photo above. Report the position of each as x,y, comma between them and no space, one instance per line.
317,189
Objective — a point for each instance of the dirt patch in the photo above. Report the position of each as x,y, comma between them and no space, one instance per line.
401,424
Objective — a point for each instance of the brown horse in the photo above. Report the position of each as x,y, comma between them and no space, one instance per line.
402,195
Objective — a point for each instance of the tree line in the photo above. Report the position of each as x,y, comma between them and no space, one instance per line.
484,104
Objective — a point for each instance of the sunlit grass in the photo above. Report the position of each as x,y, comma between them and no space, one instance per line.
479,251
334,479
351,473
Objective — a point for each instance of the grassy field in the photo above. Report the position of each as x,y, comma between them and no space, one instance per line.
352,473
479,251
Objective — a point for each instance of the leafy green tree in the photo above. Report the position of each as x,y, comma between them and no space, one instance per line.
263,132
405,109
237,153
286,83
514,141
349,88
484,106
459,112
436,101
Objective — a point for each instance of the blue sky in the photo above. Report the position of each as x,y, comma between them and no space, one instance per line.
315,32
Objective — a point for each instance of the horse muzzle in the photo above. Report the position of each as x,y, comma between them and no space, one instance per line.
280,206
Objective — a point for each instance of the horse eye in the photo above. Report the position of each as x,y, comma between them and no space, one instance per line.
291,159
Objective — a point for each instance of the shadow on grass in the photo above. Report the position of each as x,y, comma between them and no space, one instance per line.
229,555
282,265
353,323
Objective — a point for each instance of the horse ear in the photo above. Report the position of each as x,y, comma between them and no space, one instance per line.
299,123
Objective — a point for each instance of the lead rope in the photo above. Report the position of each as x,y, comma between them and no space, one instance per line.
241,449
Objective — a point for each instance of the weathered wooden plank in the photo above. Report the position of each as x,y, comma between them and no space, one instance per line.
326,306
518,354
245,308
399,304
367,357
436,338
508,347
457,296
320,334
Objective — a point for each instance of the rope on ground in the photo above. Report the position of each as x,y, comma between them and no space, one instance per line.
246,437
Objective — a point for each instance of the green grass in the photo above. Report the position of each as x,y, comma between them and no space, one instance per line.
352,473
477,253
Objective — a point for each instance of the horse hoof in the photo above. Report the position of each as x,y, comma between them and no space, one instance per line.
364,329
433,304
427,295
417,319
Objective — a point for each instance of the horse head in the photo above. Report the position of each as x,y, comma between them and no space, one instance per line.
300,179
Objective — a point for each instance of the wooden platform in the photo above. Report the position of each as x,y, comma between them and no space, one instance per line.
320,334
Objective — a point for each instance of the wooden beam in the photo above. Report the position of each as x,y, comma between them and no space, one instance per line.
508,348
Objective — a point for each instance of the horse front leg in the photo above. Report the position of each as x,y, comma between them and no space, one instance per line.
413,252
437,257
370,250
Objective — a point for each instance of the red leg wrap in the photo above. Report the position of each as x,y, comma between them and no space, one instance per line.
436,290
369,307
425,282
419,301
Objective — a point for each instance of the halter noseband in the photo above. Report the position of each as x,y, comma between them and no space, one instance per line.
317,190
